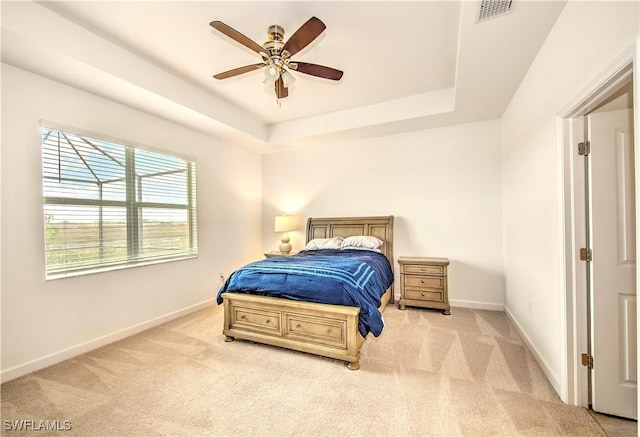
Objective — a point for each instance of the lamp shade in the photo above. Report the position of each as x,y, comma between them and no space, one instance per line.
285,223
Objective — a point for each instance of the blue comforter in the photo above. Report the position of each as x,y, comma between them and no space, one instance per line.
348,277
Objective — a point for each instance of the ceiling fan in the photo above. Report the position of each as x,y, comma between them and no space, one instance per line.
276,55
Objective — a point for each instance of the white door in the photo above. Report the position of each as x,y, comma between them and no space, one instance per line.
613,237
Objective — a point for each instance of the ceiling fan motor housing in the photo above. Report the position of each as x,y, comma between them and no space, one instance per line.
276,40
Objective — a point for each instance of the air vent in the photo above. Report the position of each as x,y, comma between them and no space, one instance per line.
493,8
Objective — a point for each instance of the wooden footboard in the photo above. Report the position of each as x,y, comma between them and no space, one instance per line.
321,329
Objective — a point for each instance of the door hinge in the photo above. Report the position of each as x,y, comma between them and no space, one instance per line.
584,148
587,360
586,254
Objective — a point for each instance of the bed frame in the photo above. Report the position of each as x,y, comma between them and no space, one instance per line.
321,329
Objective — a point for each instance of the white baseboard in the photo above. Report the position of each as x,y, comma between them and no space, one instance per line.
551,376
476,305
469,304
57,357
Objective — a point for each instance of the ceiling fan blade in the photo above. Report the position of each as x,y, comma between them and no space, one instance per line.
304,35
316,70
237,36
281,90
239,70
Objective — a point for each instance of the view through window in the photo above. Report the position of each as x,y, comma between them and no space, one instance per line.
107,204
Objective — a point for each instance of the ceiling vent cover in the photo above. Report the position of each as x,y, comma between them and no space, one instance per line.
493,8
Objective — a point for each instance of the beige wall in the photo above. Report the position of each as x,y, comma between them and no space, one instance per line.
442,185
46,321
586,39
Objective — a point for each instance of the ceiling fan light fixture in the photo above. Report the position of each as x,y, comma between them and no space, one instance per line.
287,78
271,74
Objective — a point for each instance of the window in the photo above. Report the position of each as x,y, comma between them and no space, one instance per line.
108,205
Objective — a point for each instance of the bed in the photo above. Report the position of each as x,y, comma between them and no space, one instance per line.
328,330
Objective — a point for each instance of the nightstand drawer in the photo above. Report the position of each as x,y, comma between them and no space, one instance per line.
431,295
424,281
426,270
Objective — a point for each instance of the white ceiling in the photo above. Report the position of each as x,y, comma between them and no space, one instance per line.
407,65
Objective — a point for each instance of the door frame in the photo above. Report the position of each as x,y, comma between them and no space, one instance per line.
571,128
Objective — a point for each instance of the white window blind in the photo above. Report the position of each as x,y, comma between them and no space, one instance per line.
108,205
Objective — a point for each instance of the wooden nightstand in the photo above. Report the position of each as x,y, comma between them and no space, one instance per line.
423,283
277,253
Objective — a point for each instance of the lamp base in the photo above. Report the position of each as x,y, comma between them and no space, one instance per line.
285,246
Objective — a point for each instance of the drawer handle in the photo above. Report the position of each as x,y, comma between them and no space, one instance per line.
298,326
328,331
243,317
423,294
422,281
268,321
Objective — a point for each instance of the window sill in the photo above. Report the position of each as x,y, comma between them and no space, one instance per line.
76,273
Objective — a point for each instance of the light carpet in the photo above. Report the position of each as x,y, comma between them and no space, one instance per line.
467,374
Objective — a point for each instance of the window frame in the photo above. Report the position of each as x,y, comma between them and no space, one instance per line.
133,205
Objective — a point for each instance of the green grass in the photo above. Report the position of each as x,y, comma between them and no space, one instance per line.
78,245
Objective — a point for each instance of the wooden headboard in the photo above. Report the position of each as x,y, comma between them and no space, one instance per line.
380,227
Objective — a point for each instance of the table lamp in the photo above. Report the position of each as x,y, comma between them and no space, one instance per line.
284,224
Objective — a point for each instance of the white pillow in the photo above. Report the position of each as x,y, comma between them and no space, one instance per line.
324,243
361,242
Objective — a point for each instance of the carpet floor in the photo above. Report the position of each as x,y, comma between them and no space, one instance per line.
467,374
